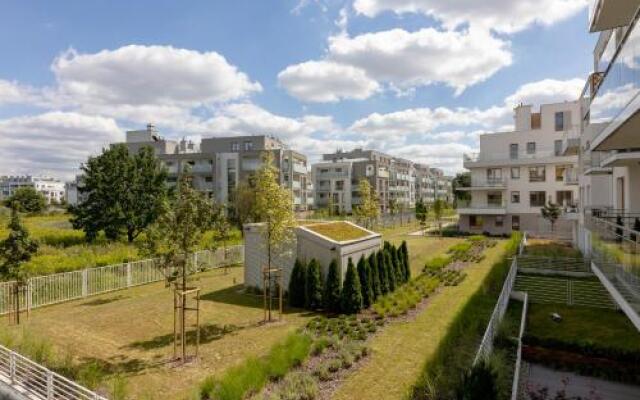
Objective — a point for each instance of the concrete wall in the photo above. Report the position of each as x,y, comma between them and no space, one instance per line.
256,256
531,223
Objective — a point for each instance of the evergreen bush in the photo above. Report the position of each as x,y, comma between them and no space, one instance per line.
382,272
375,275
297,283
365,283
331,297
313,287
351,297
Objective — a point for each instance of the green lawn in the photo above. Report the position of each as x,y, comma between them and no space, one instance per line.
400,350
549,248
339,231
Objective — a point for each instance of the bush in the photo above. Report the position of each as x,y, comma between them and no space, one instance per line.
382,272
297,386
391,273
26,199
364,272
297,283
375,275
351,296
479,383
332,288
313,287
404,251
437,263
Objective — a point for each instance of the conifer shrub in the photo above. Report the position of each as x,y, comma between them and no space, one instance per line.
297,283
332,289
382,272
351,298
313,287
364,272
375,276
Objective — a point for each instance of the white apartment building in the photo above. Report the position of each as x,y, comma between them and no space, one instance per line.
516,173
52,189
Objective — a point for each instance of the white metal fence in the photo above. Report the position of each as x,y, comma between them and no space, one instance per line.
515,388
51,289
35,381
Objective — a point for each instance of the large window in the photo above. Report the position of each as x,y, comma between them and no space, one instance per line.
537,199
531,148
559,121
515,172
564,197
560,172
515,222
235,146
537,174
494,198
248,145
494,175
499,221
513,151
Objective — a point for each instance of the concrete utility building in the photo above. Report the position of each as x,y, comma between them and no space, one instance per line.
324,241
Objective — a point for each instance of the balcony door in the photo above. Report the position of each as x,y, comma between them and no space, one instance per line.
494,175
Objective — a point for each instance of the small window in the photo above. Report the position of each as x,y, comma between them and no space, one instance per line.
537,174
324,170
557,147
475,221
208,179
499,221
537,199
515,222
338,169
515,197
248,145
235,146
531,148
513,151
559,121
515,173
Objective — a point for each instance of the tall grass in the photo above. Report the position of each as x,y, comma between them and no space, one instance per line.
442,373
250,376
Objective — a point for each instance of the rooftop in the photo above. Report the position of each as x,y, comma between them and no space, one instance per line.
339,231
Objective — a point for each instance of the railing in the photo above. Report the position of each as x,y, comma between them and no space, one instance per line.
486,346
553,264
28,377
482,206
505,156
57,288
489,182
515,387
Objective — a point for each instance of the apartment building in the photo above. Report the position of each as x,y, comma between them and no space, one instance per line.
516,173
399,182
52,189
219,164
609,151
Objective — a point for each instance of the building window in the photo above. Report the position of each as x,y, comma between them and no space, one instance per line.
537,174
560,172
513,151
515,222
531,148
248,145
557,147
515,197
499,221
475,221
235,146
515,173
537,199
208,179
494,198
338,169
564,197
339,185
559,120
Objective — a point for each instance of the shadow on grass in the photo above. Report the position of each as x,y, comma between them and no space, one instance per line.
99,302
208,333
236,295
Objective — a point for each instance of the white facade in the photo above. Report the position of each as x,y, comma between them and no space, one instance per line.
52,189
516,173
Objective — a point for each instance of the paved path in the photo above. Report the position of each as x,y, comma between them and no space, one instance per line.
577,385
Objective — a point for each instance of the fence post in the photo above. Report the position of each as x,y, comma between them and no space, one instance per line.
85,282
49,385
12,367
129,274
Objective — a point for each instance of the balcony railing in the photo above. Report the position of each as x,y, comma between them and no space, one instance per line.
488,182
481,205
509,156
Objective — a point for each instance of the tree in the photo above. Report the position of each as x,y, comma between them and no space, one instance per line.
438,211
551,212
365,282
404,251
369,209
391,273
243,205
313,287
274,208
221,230
332,289
15,251
382,272
422,211
461,180
375,276
397,265
351,297
26,199
297,282
124,193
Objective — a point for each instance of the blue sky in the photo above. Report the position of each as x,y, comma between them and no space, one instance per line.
416,78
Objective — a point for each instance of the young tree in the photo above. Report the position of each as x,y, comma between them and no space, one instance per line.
438,211
375,276
26,199
382,272
313,287
124,193
551,212
221,230
351,297
332,289
404,251
461,180
421,214
273,208
364,270
243,205
391,273
369,209
397,266
15,250
297,282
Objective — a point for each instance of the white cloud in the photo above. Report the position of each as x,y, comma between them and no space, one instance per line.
546,91
505,16
323,81
54,142
446,156
15,93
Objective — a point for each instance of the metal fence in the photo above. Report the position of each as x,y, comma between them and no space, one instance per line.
35,381
515,388
554,264
51,289
561,290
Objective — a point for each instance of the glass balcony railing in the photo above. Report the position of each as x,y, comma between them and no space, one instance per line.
494,205
513,156
620,83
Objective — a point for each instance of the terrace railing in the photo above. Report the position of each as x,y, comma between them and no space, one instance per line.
37,382
515,388
57,288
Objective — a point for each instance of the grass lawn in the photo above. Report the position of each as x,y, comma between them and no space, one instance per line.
339,231
601,327
400,350
550,248
423,248
131,331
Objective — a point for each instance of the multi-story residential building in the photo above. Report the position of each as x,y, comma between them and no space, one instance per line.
609,147
52,189
516,173
397,181
218,165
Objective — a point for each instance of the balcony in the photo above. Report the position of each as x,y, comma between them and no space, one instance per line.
570,177
485,159
299,168
615,102
570,142
487,208
592,163
608,14
485,184
295,185
620,158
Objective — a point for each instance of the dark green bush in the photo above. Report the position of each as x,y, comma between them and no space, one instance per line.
351,297
297,283
332,288
313,286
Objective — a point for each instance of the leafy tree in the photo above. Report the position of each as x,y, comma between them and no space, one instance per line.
364,271
15,251
479,383
351,296
313,287
332,288
382,272
297,281
551,212
375,276
438,211
369,209
422,212
391,273
124,193
404,251
26,199
273,207
461,180
243,205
